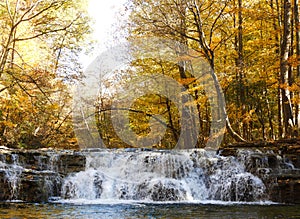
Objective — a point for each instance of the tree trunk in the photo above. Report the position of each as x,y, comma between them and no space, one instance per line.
284,70
240,67
297,30
277,29
210,56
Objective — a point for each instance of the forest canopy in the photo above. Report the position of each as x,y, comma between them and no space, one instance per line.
252,47
40,43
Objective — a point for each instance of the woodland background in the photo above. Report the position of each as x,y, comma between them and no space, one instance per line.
252,46
40,43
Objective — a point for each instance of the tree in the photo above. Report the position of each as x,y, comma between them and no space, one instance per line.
297,33
38,38
284,65
203,23
253,48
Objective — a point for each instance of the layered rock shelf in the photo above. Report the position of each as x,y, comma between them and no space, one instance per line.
276,163
37,175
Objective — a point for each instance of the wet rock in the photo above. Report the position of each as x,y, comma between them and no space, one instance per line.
286,189
124,193
5,189
70,163
294,158
98,185
169,192
69,191
277,164
37,187
30,186
35,175
159,191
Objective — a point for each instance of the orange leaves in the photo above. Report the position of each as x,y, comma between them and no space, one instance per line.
186,81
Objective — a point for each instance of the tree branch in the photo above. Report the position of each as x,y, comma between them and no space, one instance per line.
140,112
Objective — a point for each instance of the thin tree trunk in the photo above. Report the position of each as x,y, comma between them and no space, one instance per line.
277,29
210,56
297,30
240,66
190,124
284,69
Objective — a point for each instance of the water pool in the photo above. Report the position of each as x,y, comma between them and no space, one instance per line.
149,210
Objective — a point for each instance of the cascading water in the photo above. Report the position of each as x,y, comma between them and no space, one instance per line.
29,175
143,175
185,176
12,173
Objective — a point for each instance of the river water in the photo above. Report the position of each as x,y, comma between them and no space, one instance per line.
149,210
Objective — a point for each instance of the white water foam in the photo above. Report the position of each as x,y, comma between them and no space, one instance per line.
12,174
144,203
15,171
190,176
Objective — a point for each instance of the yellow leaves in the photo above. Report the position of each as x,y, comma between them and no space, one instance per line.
8,124
44,38
4,94
294,61
32,54
36,106
294,88
248,116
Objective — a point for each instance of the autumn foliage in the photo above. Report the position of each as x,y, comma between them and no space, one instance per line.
253,48
39,46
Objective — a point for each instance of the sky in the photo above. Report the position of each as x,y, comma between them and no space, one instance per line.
104,13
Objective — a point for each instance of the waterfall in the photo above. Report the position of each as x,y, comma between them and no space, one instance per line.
12,173
29,175
142,175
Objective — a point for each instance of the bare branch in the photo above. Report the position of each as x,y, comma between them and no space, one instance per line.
140,112
9,12
215,22
47,32
53,4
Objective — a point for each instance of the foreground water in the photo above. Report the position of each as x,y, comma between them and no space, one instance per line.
149,210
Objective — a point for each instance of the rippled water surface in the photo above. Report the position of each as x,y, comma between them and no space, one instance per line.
148,210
